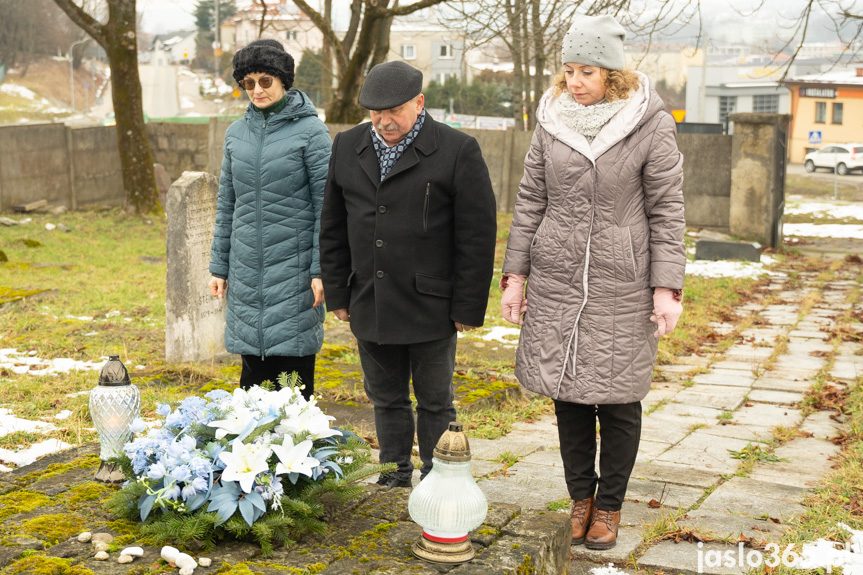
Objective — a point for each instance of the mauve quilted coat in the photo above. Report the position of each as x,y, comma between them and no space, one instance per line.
596,227
265,243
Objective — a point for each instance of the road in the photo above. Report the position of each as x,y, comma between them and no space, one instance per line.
159,90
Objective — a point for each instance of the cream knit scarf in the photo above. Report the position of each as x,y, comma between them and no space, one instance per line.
586,120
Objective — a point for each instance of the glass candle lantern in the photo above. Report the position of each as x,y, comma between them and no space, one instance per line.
114,403
447,504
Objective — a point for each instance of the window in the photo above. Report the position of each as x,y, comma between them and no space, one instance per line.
837,113
820,112
727,106
767,104
409,51
446,51
291,35
442,77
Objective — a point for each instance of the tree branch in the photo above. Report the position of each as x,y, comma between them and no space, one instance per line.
326,30
86,22
405,10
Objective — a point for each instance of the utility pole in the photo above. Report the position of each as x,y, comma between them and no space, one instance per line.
217,44
702,103
72,71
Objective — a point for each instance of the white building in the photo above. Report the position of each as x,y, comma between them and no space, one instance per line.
174,48
283,22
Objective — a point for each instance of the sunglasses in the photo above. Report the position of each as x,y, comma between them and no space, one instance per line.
249,84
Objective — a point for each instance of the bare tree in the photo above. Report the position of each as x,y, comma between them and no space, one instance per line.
118,38
366,42
532,31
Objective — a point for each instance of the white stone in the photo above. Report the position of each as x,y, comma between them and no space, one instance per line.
183,561
125,559
85,537
170,554
133,551
101,546
187,571
205,561
100,556
102,537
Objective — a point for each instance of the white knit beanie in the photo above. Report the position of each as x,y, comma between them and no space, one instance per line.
594,41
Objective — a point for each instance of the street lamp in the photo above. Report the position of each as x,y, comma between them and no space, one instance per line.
447,504
72,70
114,403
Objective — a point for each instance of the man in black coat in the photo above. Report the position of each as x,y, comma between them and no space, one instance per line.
407,249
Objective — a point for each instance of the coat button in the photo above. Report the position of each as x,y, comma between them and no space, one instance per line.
379,243
380,274
382,209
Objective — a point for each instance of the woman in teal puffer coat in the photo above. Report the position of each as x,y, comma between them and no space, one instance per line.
265,245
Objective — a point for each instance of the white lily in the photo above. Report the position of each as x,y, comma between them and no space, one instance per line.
235,422
244,463
295,459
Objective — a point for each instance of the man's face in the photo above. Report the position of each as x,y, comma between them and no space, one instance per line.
394,124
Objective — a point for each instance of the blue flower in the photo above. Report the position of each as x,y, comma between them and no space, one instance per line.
188,442
163,409
218,395
188,491
157,471
200,466
181,473
177,419
173,492
200,483
138,426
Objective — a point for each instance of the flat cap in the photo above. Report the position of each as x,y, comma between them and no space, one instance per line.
389,85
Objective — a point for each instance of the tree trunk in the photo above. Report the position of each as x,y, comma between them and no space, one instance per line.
117,36
344,108
327,57
518,104
529,103
539,57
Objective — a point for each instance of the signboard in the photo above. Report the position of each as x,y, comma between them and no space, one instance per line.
679,115
815,137
818,92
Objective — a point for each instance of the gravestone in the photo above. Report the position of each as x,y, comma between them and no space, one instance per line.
195,320
720,250
163,183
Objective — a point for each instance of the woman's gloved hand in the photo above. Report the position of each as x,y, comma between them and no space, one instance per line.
667,307
513,303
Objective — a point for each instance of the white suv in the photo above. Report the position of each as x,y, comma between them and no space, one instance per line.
844,157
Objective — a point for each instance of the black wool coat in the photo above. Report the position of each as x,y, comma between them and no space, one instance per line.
412,254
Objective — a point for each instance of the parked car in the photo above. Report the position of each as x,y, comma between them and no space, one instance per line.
844,157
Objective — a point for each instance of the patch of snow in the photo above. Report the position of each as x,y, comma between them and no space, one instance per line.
63,414
16,90
837,210
77,393
114,313
11,424
828,554
91,333
18,362
727,268
81,317
140,367
32,453
186,103
610,570
500,334
823,231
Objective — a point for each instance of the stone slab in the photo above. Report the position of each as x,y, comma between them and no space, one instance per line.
730,429
715,250
772,383
766,415
731,365
492,449
821,425
761,335
529,496
683,559
679,417
758,499
846,370
674,474
698,459
819,335
776,397
799,362
806,462
668,494
743,352
649,450
716,396
732,526
798,347
733,378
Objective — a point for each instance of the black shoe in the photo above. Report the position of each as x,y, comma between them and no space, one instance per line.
390,481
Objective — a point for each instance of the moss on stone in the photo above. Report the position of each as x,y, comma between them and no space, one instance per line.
54,528
88,491
526,567
59,468
44,565
22,502
10,294
228,386
239,569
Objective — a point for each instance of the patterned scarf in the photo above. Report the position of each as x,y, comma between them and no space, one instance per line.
587,120
388,155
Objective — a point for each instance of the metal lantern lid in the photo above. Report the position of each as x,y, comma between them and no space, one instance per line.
453,445
114,373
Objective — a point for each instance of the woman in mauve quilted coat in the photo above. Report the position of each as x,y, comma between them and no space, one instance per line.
597,236
265,254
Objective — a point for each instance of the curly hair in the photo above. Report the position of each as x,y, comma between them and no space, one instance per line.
618,83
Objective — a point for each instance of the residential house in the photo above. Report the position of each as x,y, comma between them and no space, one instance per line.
435,50
173,48
283,21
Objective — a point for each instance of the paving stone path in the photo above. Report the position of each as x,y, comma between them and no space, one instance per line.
707,409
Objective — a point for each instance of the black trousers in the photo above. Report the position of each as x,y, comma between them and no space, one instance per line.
619,431
256,370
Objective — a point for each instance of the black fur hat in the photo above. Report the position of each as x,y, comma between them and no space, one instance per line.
268,56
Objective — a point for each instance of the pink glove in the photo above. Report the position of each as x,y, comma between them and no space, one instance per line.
667,307
513,303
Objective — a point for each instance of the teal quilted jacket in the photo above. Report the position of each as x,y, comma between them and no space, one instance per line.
266,238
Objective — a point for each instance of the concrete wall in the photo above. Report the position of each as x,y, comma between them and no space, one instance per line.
35,164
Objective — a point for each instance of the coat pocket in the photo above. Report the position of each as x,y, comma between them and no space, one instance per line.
431,285
351,277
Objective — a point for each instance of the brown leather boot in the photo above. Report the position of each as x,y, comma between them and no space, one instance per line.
603,529
579,515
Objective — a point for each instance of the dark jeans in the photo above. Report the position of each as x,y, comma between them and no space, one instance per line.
619,432
256,370
388,371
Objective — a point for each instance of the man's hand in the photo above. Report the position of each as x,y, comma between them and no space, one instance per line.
218,287
318,290
343,314
463,327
